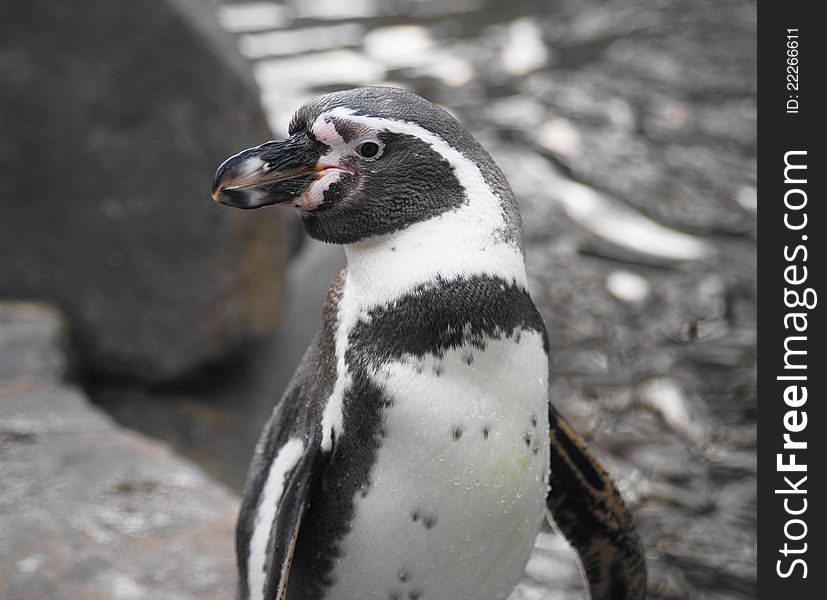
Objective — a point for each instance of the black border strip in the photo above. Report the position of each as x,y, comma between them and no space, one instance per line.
784,128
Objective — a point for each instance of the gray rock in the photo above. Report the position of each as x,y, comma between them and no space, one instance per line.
90,511
31,337
121,113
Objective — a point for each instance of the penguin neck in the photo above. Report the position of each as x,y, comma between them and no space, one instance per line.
461,243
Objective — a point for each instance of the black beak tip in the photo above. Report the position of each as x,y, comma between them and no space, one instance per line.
273,173
222,174
216,195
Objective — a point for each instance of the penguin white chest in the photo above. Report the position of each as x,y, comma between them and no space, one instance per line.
457,492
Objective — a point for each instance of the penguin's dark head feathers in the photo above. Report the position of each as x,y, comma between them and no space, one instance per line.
361,163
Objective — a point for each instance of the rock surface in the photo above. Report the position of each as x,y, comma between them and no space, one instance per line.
31,342
88,510
121,114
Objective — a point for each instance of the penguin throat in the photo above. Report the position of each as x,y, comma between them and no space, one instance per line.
454,244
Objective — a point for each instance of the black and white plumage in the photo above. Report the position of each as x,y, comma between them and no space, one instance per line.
415,452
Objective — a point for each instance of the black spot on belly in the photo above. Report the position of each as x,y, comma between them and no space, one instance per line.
486,431
456,432
394,595
403,574
527,439
414,595
533,420
429,521
415,516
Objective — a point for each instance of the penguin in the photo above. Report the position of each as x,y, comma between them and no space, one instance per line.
415,453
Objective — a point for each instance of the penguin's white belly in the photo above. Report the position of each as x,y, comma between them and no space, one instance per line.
457,493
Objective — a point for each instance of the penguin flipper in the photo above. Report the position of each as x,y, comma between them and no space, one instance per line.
272,510
586,507
285,467
286,527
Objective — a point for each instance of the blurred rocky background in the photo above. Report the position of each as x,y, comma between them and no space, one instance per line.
115,114
627,129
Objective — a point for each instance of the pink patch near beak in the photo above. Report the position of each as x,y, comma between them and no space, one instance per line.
313,196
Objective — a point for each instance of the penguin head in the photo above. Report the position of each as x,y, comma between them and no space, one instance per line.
362,163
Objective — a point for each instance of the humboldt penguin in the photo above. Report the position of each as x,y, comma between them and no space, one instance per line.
415,453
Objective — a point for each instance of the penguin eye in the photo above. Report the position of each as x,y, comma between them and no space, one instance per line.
368,149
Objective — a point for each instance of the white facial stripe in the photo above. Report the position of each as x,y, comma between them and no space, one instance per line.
461,242
286,459
324,130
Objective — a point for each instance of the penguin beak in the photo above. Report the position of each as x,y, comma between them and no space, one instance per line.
273,173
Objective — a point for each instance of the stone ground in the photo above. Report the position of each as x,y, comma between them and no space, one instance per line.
90,510
628,132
